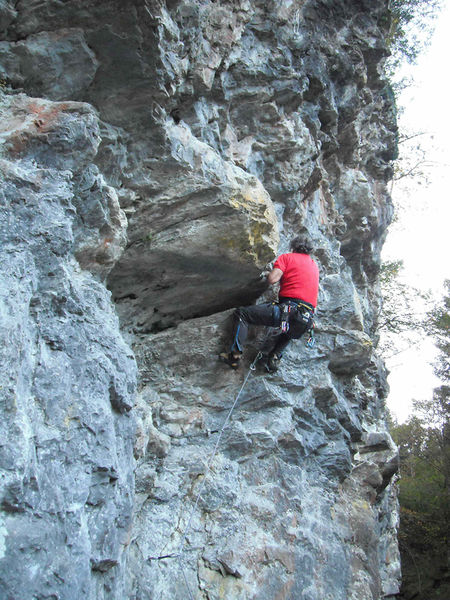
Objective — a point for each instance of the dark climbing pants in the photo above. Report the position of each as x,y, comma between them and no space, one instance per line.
268,315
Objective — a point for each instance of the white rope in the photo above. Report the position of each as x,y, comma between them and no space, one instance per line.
186,583
213,453
180,552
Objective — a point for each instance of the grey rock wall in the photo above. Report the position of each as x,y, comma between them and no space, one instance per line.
68,379
156,156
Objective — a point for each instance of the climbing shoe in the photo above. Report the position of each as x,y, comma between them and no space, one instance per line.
232,359
273,362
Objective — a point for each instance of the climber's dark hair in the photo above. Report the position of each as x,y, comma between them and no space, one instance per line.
302,245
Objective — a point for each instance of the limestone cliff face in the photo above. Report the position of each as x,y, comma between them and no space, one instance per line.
156,156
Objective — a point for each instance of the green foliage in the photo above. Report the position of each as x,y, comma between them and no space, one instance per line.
423,558
424,514
424,446
413,166
411,25
389,271
403,309
439,327
411,28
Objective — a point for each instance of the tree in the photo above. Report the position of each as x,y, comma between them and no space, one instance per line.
411,28
424,490
402,316
413,163
439,327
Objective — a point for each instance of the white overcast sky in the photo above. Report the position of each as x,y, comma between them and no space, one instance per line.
421,236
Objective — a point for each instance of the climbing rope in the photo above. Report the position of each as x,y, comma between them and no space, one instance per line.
179,554
186,582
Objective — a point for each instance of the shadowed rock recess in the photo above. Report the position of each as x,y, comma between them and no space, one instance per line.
156,156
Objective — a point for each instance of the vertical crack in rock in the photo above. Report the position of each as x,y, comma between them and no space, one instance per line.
156,156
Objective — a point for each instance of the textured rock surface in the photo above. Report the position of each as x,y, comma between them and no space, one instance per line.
68,379
166,152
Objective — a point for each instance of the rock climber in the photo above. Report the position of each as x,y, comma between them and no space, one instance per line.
298,275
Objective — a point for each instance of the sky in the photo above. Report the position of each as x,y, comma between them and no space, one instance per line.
420,237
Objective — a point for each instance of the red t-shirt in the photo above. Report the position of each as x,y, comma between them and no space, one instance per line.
300,277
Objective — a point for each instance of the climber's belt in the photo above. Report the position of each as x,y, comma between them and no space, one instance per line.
299,304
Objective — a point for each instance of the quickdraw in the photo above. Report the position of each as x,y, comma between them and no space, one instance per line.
285,310
311,340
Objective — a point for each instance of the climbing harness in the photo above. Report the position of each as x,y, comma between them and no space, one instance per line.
305,313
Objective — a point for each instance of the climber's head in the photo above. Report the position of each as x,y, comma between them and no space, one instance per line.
302,244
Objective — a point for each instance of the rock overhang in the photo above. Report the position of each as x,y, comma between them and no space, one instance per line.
200,245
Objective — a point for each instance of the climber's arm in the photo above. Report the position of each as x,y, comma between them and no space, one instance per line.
274,276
